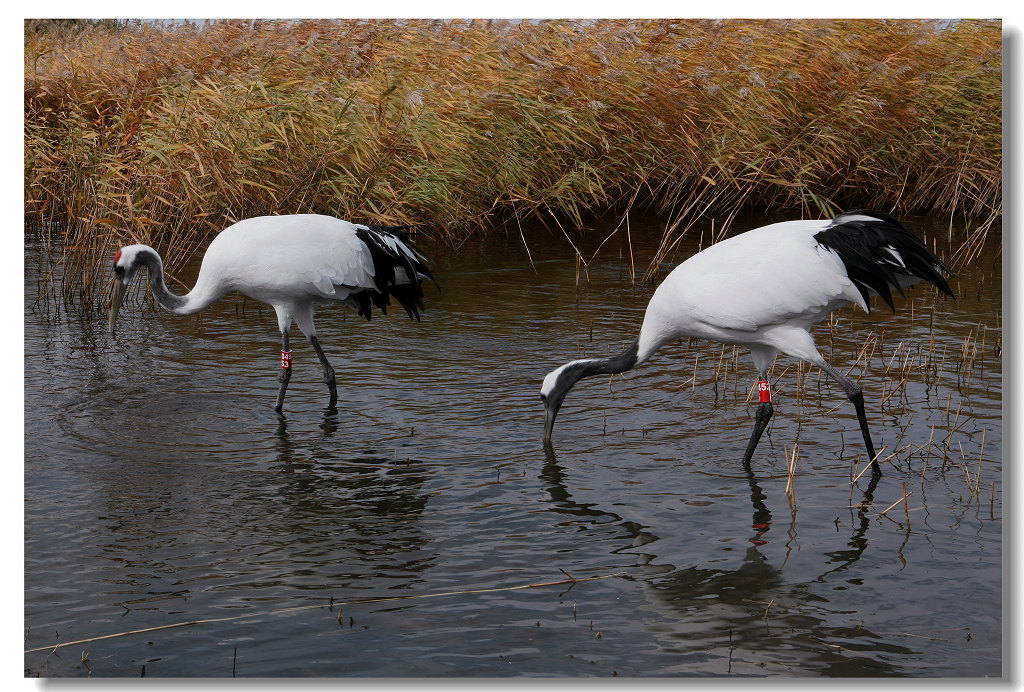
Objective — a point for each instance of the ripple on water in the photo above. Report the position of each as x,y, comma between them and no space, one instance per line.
161,487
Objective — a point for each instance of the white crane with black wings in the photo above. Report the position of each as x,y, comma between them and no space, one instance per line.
765,289
293,263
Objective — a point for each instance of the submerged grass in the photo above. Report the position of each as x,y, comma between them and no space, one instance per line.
165,134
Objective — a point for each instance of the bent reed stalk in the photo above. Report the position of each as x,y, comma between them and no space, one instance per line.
165,133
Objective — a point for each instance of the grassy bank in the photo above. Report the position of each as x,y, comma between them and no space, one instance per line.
166,134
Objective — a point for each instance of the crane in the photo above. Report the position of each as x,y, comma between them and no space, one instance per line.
765,289
292,262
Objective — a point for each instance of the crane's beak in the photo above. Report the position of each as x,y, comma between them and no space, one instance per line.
115,302
549,424
550,411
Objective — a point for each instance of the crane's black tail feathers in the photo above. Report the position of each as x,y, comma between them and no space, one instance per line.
876,250
390,250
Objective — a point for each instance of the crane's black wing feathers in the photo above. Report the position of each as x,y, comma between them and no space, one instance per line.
876,248
386,260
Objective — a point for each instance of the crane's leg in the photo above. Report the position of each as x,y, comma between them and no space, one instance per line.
329,377
286,370
761,418
856,395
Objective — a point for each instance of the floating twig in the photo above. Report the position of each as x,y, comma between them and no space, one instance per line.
571,580
902,499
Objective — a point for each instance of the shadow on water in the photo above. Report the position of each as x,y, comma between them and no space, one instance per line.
744,608
553,475
365,507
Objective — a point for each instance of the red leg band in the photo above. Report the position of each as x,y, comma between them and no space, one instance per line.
764,393
286,360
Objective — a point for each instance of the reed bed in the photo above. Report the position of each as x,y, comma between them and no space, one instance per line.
165,134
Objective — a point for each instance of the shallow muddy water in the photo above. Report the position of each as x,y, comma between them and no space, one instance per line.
383,538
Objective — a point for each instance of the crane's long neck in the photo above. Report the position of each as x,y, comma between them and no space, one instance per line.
578,369
195,300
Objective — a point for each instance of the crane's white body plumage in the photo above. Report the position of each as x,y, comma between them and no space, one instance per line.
292,263
720,293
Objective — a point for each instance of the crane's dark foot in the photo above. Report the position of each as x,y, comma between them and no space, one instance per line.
857,398
332,387
761,418
869,493
283,378
876,471
329,378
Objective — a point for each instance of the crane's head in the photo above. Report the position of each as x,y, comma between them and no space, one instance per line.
559,381
126,266
556,385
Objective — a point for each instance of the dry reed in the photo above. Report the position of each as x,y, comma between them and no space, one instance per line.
165,134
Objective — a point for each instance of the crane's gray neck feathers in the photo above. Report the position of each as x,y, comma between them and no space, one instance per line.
163,296
577,370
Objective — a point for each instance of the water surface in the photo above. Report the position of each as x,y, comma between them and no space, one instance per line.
161,487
